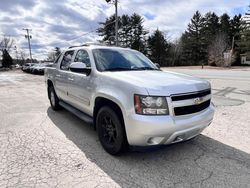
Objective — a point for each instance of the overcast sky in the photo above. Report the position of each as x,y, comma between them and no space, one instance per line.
70,22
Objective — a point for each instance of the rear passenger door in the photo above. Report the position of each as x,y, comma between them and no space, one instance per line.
80,85
62,75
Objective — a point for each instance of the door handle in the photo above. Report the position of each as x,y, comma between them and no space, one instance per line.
58,75
70,79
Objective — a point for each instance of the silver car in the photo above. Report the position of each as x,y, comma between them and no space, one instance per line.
127,98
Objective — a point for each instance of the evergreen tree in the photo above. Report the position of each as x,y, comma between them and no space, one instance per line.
235,36
244,37
158,48
7,60
235,27
124,32
212,27
194,42
244,43
138,33
131,32
107,29
225,27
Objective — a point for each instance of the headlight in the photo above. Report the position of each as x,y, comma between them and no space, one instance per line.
151,105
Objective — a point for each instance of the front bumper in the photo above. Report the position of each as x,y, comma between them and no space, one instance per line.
157,130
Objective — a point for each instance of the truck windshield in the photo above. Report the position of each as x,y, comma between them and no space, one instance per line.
121,60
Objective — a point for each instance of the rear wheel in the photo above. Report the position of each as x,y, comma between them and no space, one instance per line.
111,130
54,101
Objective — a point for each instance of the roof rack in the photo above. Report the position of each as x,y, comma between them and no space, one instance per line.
89,44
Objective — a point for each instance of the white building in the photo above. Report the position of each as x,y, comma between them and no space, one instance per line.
245,59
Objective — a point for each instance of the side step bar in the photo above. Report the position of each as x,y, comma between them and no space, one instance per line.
77,112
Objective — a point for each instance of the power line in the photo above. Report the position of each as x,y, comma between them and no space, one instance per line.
81,36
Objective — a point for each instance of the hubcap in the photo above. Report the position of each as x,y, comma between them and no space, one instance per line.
109,130
52,98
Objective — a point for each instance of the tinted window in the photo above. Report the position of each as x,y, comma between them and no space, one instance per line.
83,56
121,59
67,59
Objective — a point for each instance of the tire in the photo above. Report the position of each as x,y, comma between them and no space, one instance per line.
54,101
111,132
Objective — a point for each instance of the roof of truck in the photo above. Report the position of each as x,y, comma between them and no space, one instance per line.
96,46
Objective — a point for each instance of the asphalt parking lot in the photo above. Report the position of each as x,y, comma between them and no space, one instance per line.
43,148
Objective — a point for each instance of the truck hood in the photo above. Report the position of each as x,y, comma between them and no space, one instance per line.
161,83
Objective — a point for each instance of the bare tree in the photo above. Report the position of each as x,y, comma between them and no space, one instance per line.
23,56
175,52
216,51
6,43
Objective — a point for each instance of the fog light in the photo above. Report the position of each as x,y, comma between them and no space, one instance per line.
155,140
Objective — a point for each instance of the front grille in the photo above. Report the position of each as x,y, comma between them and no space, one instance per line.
190,95
184,110
187,101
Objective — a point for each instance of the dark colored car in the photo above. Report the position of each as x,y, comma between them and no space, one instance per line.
26,67
38,69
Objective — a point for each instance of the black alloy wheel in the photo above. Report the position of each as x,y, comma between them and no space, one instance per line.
110,130
54,100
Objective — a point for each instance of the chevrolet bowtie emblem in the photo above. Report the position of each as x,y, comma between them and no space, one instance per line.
198,100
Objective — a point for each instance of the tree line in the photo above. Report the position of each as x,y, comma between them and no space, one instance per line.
206,40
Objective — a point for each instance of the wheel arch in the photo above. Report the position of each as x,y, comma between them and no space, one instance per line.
49,84
101,101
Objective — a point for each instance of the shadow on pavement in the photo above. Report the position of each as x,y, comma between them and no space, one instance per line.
202,161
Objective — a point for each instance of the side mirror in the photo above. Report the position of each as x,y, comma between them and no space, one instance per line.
79,67
157,65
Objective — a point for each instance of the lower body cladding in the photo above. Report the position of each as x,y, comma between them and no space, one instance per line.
145,130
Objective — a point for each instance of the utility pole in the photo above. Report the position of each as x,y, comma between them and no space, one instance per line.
116,19
28,36
116,24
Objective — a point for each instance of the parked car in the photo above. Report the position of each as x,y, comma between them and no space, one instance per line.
26,67
49,64
127,98
38,68
32,67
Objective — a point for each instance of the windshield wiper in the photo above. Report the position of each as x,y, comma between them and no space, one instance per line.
145,68
130,69
119,69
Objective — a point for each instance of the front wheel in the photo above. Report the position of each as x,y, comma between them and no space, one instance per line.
54,101
111,130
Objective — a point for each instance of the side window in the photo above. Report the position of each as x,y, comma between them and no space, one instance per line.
82,56
67,59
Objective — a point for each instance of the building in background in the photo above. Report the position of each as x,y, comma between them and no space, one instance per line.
245,59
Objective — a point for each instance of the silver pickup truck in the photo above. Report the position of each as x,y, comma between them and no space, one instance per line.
127,98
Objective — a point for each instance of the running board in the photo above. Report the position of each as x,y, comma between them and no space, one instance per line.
77,112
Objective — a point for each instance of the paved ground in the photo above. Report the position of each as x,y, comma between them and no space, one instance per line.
42,148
